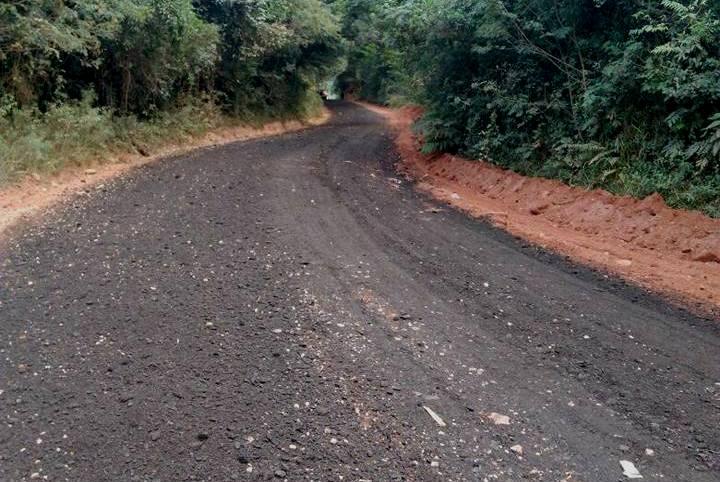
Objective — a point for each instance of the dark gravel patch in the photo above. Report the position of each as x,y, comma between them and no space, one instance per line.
286,309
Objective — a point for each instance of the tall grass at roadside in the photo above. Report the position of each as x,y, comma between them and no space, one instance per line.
76,134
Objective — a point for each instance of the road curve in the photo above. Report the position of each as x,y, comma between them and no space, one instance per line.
287,308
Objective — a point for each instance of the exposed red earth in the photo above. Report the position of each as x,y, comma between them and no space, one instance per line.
673,251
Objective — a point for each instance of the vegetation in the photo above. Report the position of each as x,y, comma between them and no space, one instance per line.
78,77
77,132
620,94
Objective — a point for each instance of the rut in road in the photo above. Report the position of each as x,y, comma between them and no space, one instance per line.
287,308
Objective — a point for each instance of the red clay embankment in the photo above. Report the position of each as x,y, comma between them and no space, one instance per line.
672,251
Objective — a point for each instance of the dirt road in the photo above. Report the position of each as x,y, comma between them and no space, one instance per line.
288,309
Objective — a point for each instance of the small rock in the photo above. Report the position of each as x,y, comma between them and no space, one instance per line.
517,449
203,436
538,209
629,470
707,257
243,455
280,473
499,419
154,436
90,172
624,448
650,452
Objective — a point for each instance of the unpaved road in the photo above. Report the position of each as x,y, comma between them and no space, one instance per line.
286,308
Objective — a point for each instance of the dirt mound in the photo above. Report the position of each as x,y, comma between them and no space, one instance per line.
669,250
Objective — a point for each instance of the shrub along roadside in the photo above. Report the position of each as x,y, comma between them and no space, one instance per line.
623,95
75,134
81,78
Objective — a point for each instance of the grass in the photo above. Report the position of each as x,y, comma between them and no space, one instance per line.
77,134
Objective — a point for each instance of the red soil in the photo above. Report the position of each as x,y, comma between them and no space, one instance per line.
667,250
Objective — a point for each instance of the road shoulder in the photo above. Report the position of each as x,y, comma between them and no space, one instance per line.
673,252
30,197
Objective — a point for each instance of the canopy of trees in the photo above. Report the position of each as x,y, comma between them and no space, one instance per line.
81,80
623,94
143,56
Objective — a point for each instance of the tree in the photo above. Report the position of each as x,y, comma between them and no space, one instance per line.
622,93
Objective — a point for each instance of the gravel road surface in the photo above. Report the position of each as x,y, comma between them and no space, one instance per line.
290,309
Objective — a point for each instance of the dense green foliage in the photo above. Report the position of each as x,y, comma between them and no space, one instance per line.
141,56
99,66
623,94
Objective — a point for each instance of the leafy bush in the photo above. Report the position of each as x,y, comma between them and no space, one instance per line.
143,73
619,94
79,78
